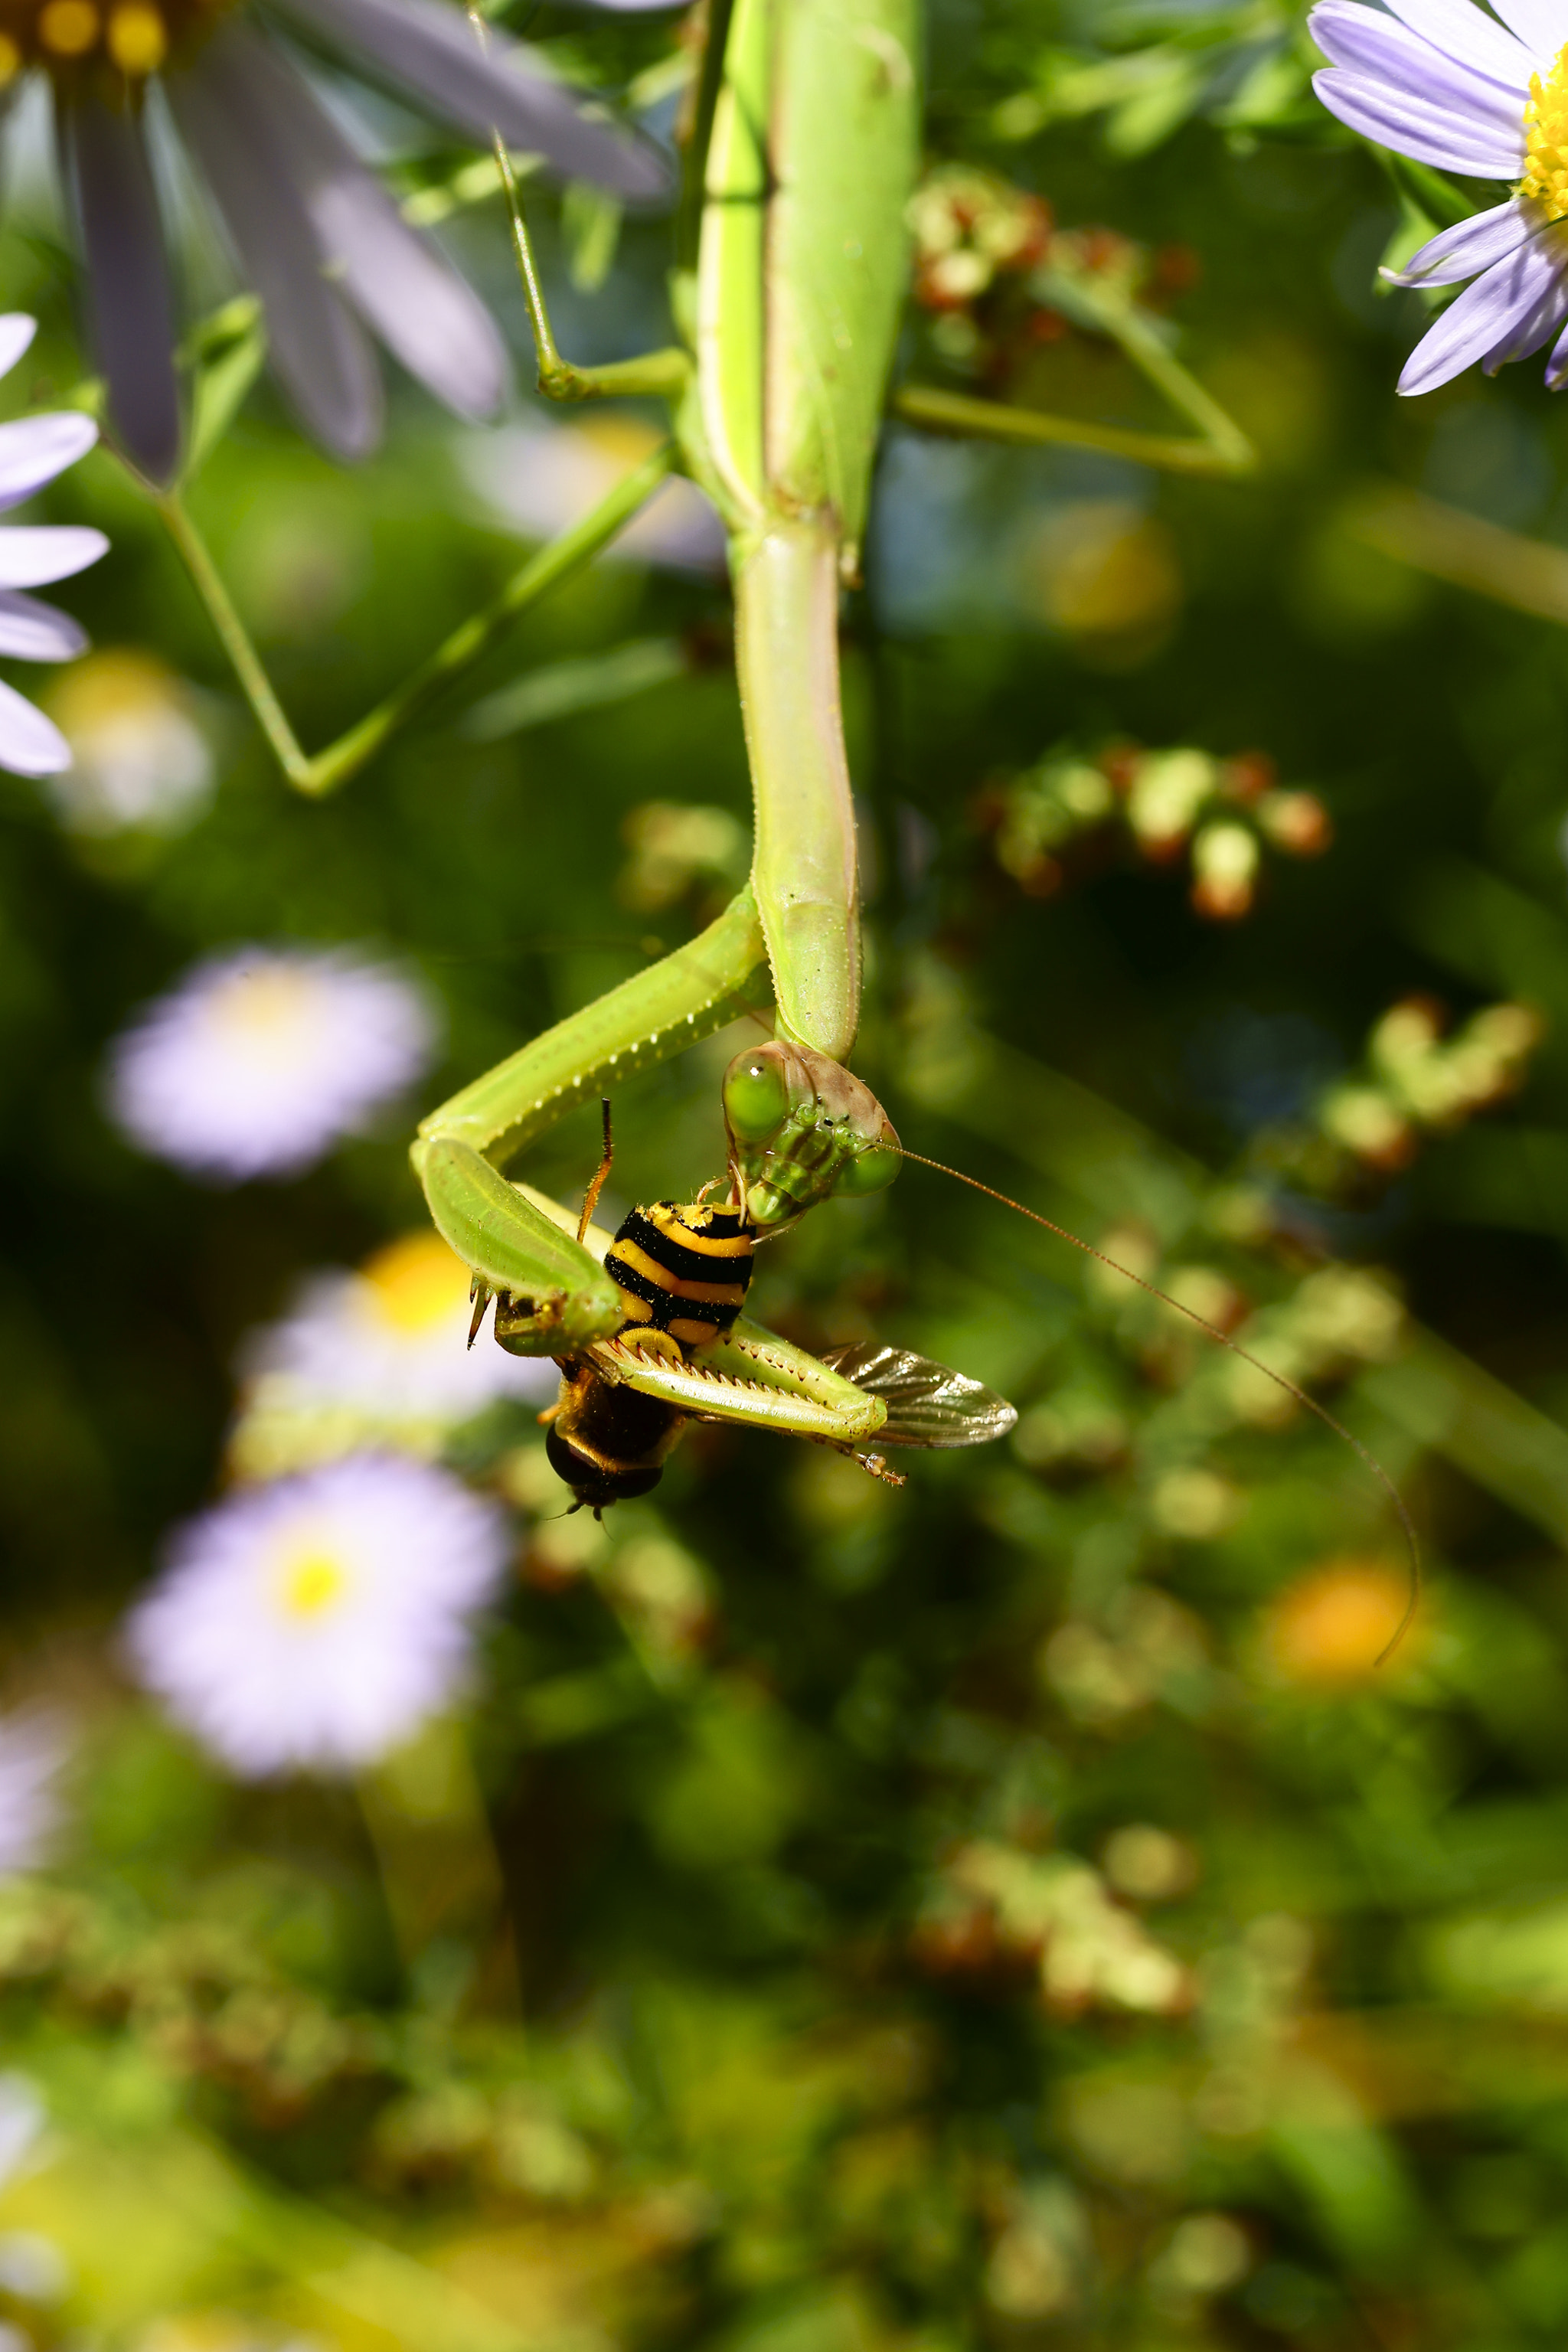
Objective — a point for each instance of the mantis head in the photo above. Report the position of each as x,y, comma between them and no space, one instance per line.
801,1129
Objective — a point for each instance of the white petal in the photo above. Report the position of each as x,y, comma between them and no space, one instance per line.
1539,24
1428,133
1371,43
1486,316
33,632
31,744
16,332
31,555
35,448
1472,37
1470,246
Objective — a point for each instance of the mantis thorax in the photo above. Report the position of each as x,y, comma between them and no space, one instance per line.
801,1129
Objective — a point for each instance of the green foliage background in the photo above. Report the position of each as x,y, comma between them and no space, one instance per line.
686,1994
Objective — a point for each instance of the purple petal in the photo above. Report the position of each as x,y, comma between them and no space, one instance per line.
1488,315
32,554
221,106
1536,326
405,288
434,54
35,448
1411,128
1371,43
1539,25
1470,246
412,296
129,304
33,632
1471,37
1557,366
16,332
31,744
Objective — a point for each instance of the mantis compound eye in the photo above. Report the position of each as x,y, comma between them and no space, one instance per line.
756,1095
870,1171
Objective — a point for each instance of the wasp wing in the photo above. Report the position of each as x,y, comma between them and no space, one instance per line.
927,1403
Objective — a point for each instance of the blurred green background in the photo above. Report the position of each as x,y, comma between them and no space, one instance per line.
1015,1909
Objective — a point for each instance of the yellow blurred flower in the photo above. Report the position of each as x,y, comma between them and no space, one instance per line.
138,755
1108,576
1330,1627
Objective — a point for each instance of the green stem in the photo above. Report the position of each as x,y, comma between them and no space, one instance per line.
662,374
270,716
939,410
542,573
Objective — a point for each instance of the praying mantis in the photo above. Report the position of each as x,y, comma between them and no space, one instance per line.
793,306
803,147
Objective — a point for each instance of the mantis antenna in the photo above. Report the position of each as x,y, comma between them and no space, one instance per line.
590,1198
1213,1331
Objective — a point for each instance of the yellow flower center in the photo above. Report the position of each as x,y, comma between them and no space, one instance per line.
418,1283
266,1010
310,1582
124,39
1546,139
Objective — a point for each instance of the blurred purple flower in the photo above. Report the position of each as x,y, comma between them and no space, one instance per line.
33,450
543,477
314,231
261,1058
1445,83
315,1624
391,1341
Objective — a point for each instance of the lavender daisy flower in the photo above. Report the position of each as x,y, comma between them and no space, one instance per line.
1445,83
314,232
316,1623
391,1341
33,450
263,1057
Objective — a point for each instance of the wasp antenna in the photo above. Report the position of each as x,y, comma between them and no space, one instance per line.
1213,1331
591,1198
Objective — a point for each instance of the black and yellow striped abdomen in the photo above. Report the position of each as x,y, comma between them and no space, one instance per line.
682,1270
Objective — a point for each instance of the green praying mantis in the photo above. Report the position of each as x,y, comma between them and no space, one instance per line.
803,147
792,308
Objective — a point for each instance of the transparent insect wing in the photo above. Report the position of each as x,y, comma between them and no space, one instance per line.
803,1127
927,1403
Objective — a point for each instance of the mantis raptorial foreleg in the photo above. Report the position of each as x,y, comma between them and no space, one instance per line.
462,1146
